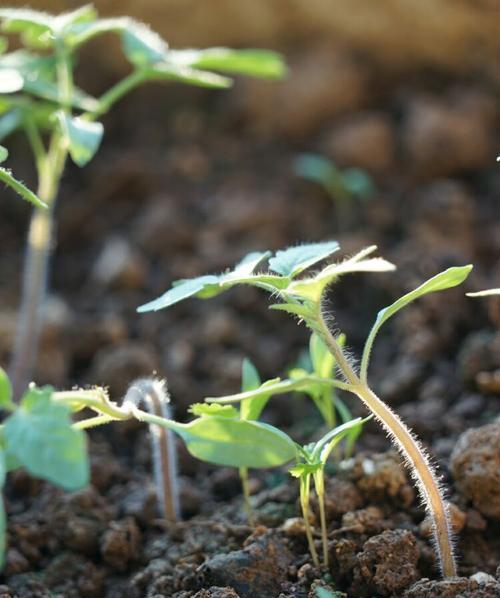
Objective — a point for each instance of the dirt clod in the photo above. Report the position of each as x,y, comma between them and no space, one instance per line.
475,464
120,543
387,564
453,588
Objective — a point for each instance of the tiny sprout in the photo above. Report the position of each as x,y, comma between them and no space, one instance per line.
486,293
304,297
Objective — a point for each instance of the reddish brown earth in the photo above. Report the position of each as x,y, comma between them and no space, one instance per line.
188,182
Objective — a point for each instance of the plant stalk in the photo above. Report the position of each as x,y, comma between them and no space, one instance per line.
319,484
246,495
413,453
305,483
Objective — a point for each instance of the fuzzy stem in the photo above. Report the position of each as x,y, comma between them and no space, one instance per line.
153,393
305,482
413,453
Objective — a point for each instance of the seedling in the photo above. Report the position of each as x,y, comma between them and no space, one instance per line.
304,296
38,95
342,186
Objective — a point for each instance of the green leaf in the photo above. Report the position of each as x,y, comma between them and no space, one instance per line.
4,44
257,63
83,137
39,434
183,74
4,154
181,291
301,469
211,409
10,81
3,518
321,358
487,293
290,262
20,188
250,380
316,168
451,277
235,442
295,309
326,593
325,445
141,45
5,391
25,20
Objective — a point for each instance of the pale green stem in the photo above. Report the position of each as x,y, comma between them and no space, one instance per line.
415,457
305,482
319,484
246,495
115,93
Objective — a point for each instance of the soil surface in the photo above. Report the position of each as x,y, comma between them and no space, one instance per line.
187,182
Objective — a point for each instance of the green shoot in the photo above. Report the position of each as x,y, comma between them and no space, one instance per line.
38,96
487,293
304,297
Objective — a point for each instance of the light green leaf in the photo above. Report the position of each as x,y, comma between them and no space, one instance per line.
4,154
3,518
39,434
235,442
250,380
321,358
83,15
22,20
5,391
9,122
325,593
181,291
325,445
83,137
183,74
211,409
257,63
451,277
21,189
290,262
302,311
316,168
10,81
142,45
301,469
487,293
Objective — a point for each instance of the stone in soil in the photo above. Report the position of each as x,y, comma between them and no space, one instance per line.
475,464
453,588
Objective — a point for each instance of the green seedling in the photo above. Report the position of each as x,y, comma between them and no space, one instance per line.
39,96
304,296
342,186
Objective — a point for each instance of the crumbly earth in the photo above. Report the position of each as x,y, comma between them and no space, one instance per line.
188,182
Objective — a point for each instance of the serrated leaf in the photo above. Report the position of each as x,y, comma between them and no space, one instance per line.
11,81
290,262
40,436
21,189
83,137
211,409
257,63
235,442
486,293
451,277
5,391
141,45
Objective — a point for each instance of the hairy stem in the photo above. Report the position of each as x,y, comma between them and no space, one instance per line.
413,453
153,393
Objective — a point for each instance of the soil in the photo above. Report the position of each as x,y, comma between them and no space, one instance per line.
187,182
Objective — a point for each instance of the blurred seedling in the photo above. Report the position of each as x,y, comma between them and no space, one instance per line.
38,95
343,186
304,296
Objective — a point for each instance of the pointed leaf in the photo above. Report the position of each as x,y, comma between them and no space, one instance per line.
20,188
444,280
250,379
142,45
183,290
183,74
257,63
302,311
39,434
83,137
290,262
235,442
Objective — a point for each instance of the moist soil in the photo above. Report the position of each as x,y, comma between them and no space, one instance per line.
187,182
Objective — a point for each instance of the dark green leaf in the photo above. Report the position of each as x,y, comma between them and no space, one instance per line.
290,262
83,137
39,434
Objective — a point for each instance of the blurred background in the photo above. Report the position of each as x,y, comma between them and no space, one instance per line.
384,131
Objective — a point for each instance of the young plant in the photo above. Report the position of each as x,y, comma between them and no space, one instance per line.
38,95
342,186
305,296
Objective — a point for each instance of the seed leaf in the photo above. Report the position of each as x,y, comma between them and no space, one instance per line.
301,469
257,63
39,434
290,262
83,137
447,279
235,442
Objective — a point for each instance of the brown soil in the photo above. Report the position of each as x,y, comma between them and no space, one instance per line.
188,182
